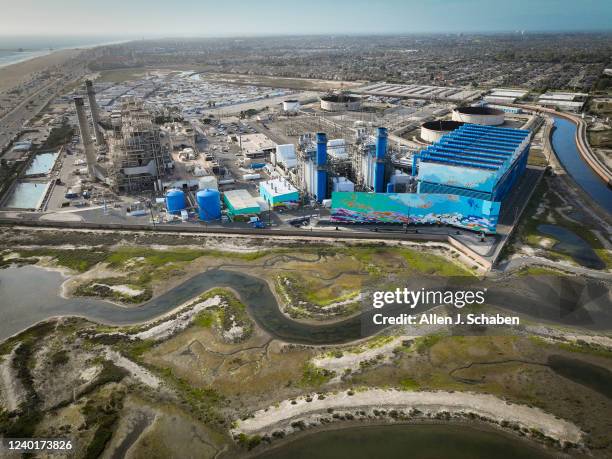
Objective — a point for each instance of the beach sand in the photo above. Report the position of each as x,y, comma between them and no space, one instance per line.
12,75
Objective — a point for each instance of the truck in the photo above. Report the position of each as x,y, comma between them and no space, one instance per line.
255,222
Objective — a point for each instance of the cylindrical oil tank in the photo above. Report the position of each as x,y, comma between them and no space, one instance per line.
340,102
479,115
209,204
432,131
175,201
291,105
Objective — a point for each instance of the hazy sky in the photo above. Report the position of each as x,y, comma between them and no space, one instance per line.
153,18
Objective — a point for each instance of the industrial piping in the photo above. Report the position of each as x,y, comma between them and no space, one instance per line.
95,115
379,168
90,153
321,166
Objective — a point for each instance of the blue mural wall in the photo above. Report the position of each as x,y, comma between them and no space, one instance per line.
459,176
461,211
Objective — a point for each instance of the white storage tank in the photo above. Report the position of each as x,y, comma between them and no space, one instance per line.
340,102
291,105
486,116
432,131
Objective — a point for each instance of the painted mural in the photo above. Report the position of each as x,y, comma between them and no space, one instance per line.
410,208
458,176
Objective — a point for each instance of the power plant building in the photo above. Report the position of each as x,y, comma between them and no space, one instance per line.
279,192
240,202
285,156
137,160
476,161
461,181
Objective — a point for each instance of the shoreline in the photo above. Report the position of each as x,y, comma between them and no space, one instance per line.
19,72
477,426
303,412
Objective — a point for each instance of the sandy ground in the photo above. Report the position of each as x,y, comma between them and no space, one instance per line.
12,75
352,360
168,328
282,415
136,371
12,392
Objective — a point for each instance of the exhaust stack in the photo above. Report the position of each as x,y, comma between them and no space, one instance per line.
90,153
95,115
321,166
379,167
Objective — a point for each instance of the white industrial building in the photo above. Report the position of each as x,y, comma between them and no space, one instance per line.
572,101
342,184
285,156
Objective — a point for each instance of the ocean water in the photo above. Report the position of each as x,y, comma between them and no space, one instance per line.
14,49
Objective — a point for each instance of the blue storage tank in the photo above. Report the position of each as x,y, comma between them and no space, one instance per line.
209,204
175,201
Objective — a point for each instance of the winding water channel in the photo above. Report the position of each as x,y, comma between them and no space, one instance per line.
29,294
564,144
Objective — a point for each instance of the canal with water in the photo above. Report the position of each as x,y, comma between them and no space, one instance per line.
564,144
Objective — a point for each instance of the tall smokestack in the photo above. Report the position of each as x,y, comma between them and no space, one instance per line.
95,115
379,167
321,170
90,153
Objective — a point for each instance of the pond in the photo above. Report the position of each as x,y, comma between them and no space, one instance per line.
573,245
597,378
42,163
403,441
27,195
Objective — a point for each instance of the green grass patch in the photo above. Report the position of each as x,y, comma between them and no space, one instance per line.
103,288
231,312
78,260
424,343
409,384
153,258
539,271
321,298
135,350
428,263
579,346
204,401
315,377
205,319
